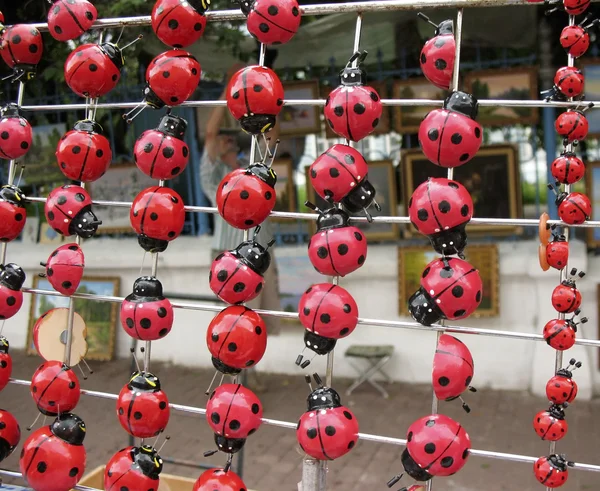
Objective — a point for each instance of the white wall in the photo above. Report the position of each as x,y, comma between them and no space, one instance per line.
500,363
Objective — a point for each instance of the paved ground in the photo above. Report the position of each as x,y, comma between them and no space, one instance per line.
500,421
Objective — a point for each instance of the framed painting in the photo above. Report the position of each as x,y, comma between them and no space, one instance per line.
408,118
505,84
592,185
300,120
100,317
285,188
491,177
412,262
591,72
382,176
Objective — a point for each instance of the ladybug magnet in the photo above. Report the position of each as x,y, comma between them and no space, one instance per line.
439,53
13,213
550,424
557,251
576,39
5,364
568,168
10,434
21,48
571,7
16,135
568,82
55,388
573,125
271,22
68,210
573,208
560,333
69,19
219,479
561,388
64,268
134,468
566,298
12,278
552,471
179,24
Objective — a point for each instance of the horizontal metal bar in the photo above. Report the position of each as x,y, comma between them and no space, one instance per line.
370,322
362,436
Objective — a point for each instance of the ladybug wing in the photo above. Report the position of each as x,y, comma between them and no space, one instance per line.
437,60
23,46
143,414
244,201
285,16
12,221
15,137
10,434
232,281
429,134
452,368
327,434
5,370
348,249
10,302
176,24
117,467
68,20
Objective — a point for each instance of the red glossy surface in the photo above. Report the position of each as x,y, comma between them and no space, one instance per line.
219,480
69,19
55,388
89,71
177,23
173,76
453,368
158,212
234,411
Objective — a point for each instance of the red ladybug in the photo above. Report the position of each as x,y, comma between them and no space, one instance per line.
219,480
236,339
69,19
157,215
566,298
21,48
255,98
576,39
568,82
440,209
353,109
69,212
12,278
10,434
436,446
550,424
576,7
134,468
573,208
5,365
557,252
161,153
146,314
328,313
560,333
179,23
55,388
450,289
340,174
337,249
246,197
13,213
237,276
142,407
16,134
450,137
64,268
453,369
84,154
568,168
572,125
272,21
234,413
439,53
561,388
552,471
327,430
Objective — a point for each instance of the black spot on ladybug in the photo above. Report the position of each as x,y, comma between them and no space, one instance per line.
249,363
248,222
4,364
18,217
359,108
430,448
349,159
168,152
330,123
423,59
338,111
425,272
311,433
268,195
11,301
477,133
162,312
89,15
444,206
93,67
273,10
24,145
239,287
137,415
430,423
347,308
464,157
258,288
295,11
115,78
443,381
344,331
374,96
67,284
80,197
99,153
464,210
446,272
257,88
61,200
456,138
166,74
458,291
358,236
361,260
333,172
5,135
329,430
51,215
73,472
41,467
244,194
232,347
280,102
348,415
447,462
236,95
255,408
439,42
342,249
478,296
459,313
322,252
148,147
197,27
214,337
173,24
145,323
153,216
309,289
258,330
263,27
16,39
440,64
174,99
72,385
375,122
466,453
325,318
468,381
234,424
433,134
215,418
130,323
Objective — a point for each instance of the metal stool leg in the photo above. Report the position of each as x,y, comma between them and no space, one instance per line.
368,374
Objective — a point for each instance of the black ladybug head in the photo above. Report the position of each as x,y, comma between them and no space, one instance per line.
69,427
423,309
254,255
3,345
354,75
264,173
556,411
558,462
318,344
360,198
12,194
445,27
450,242
12,276
144,381
152,99
114,54
463,103
173,126
413,469
85,224
88,126
222,368
246,6
199,6
257,124
323,398
333,217
10,111
563,372
148,460
229,445
152,245
148,287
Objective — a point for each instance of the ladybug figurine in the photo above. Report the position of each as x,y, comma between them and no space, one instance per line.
179,24
557,251
246,197
566,297
572,125
272,22
161,153
219,479
575,39
440,209
157,215
328,313
236,276
571,7
353,109
550,424
55,388
16,135
439,53
568,168
69,19
450,289
10,434
562,389
573,208
568,82
453,370
171,79
552,471
53,457
146,314
12,278
21,48
255,98
5,364
234,413
436,446
134,468
64,268
69,212
13,213
340,174
338,248
236,339
327,430
452,141
560,333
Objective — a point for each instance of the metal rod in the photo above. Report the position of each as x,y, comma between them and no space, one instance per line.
8,473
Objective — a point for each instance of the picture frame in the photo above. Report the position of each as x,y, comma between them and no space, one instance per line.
50,236
592,186
591,71
484,257
492,177
407,119
101,331
520,83
382,175
300,120
285,188
121,182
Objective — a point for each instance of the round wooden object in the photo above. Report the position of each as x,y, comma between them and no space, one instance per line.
50,334
543,262
544,231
